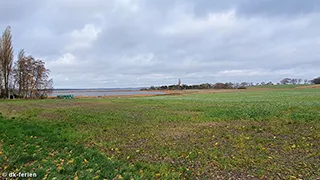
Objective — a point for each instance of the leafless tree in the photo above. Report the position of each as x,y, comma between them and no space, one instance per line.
31,77
285,81
1,73
19,71
6,59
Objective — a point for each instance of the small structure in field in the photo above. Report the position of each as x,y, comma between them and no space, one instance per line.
65,96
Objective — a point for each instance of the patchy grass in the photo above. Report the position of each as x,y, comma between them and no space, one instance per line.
248,135
49,151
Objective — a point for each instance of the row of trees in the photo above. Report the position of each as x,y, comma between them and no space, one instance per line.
229,85
25,78
286,81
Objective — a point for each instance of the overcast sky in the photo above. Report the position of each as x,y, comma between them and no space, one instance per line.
138,43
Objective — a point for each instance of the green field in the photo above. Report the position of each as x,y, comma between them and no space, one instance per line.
254,134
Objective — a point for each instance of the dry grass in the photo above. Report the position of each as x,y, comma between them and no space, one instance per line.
307,87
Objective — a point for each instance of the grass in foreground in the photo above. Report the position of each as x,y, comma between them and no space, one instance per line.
45,150
260,134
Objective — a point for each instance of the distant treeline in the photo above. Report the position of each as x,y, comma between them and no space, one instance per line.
229,85
200,86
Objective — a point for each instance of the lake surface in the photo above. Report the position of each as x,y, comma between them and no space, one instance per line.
95,93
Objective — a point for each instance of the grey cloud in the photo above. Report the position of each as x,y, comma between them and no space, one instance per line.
268,8
127,43
276,8
17,10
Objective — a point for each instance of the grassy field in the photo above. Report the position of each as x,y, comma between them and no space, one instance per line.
250,135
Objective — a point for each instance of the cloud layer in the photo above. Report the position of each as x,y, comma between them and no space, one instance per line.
135,43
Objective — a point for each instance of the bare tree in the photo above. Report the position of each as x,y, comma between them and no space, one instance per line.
19,72
294,81
270,83
244,84
285,81
31,77
6,58
40,75
1,73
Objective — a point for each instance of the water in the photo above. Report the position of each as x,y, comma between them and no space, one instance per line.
100,92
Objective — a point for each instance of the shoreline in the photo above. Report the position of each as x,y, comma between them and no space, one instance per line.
146,94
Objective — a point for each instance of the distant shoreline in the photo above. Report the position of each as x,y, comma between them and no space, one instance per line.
99,93
91,90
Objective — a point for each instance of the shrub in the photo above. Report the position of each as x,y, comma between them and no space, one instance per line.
242,87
